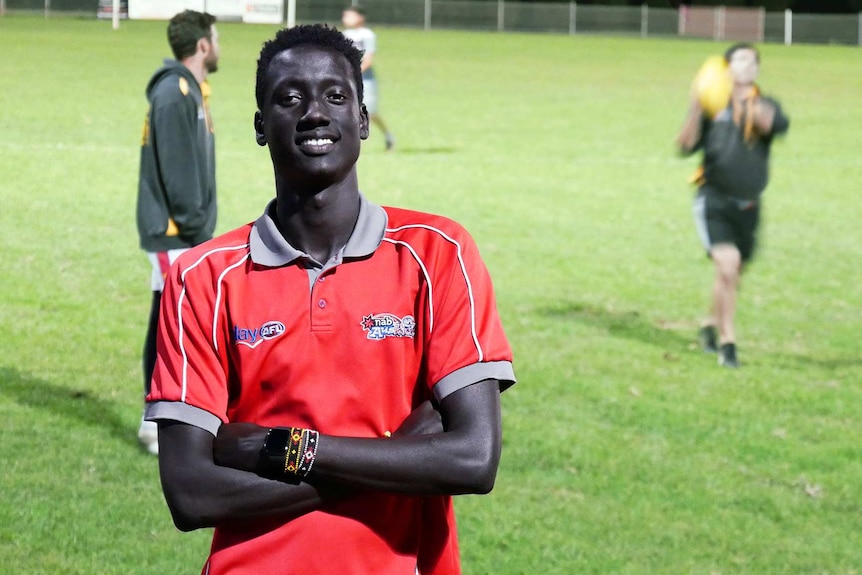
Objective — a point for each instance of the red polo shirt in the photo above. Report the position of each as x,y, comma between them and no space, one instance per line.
255,330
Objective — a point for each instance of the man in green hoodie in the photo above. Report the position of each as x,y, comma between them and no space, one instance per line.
176,188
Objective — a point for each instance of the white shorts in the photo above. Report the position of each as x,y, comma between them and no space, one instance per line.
161,264
369,96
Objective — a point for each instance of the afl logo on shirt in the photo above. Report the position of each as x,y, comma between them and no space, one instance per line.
253,337
382,325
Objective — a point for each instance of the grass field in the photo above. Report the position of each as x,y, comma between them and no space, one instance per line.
627,450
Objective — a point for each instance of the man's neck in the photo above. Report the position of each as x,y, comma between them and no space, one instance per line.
318,223
742,91
196,67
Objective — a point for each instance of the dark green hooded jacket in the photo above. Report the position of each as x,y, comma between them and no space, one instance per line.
177,173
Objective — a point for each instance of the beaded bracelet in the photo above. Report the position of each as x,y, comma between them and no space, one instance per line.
300,451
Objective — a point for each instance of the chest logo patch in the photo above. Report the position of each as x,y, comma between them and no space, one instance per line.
382,325
252,337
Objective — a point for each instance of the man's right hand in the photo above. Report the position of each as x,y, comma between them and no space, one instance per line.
424,420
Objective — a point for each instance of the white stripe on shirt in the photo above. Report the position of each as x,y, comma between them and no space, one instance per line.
463,271
182,297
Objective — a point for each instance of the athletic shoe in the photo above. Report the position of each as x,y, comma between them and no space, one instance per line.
708,339
148,436
390,142
727,356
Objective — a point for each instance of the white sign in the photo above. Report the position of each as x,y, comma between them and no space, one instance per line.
161,9
249,11
263,11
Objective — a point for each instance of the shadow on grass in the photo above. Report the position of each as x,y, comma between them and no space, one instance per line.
796,361
620,323
77,404
630,325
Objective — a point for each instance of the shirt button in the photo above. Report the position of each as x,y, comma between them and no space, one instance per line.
321,279
321,303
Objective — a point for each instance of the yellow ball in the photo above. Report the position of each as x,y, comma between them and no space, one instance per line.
713,85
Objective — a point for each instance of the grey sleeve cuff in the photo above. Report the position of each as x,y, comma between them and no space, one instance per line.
184,413
466,376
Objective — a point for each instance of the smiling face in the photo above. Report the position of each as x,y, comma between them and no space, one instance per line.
311,117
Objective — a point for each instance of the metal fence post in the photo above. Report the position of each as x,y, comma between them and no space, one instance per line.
501,15
761,24
788,27
2,7
427,14
290,14
860,28
718,24
644,19
573,17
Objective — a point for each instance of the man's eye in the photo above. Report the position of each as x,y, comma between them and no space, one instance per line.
336,97
288,99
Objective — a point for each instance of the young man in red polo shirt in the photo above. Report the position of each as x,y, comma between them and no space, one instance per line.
329,375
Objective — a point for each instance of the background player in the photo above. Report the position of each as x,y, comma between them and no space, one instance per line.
353,20
322,368
176,188
736,144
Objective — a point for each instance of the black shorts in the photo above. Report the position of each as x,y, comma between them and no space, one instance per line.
721,219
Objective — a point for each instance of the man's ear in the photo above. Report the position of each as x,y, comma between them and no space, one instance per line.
203,46
363,125
258,129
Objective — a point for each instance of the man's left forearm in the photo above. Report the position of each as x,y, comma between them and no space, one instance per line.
461,459
764,117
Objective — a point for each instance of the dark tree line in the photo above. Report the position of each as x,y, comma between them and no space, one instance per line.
807,6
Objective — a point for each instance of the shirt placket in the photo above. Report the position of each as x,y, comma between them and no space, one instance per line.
321,296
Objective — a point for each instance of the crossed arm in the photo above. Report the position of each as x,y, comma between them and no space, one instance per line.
453,449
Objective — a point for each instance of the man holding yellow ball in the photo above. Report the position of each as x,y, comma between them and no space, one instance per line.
734,124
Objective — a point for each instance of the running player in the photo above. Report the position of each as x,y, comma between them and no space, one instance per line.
330,374
736,145
176,187
353,19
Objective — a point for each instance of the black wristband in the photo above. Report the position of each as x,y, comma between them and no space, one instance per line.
274,451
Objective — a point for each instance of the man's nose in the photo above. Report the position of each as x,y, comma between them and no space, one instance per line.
315,113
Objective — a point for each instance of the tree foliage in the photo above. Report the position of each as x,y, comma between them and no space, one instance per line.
807,6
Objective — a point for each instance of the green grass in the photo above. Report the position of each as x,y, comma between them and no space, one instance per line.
626,449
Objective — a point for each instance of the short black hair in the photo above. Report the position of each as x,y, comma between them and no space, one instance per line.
319,35
728,54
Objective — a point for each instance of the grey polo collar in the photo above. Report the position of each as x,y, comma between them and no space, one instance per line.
269,248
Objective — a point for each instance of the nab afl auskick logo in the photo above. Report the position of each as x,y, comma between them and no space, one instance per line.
382,325
254,337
